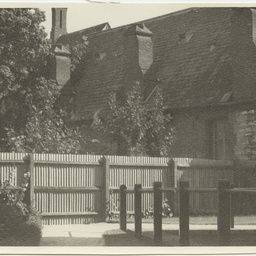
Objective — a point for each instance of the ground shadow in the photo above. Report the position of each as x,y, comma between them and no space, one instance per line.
171,238
120,238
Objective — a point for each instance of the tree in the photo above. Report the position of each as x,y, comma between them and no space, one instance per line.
80,59
138,128
45,130
159,134
30,119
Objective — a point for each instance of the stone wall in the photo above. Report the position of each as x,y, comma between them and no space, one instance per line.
193,133
245,131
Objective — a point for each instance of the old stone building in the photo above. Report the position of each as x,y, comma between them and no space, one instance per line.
205,58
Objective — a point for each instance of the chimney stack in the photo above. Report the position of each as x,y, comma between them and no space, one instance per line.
60,64
138,50
59,23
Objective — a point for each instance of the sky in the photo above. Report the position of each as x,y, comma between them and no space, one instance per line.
84,15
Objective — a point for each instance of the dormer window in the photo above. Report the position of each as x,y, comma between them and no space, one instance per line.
99,56
185,37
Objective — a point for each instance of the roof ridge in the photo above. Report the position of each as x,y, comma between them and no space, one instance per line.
172,14
176,13
81,30
147,20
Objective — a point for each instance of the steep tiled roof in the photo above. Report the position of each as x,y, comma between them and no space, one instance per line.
192,59
103,75
76,37
190,50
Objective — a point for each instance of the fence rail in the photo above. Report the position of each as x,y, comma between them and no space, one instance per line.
92,182
66,189
225,219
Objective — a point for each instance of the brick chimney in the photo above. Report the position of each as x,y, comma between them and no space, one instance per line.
59,23
138,51
60,64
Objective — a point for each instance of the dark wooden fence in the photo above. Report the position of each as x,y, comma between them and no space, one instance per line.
225,218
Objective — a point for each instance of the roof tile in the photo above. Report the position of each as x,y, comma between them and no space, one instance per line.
195,71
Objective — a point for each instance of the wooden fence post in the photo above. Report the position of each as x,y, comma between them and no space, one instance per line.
176,185
32,185
123,207
172,196
184,213
224,212
137,208
105,188
232,210
157,213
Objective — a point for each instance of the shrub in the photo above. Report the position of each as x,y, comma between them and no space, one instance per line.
26,230
21,224
27,233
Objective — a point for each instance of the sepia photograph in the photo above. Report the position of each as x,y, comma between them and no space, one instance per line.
127,128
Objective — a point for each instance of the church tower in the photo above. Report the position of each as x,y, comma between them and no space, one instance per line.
59,23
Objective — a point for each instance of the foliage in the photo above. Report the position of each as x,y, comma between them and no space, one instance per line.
140,128
129,122
79,58
111,207
166,210
23,51
45,133
159,134
22,232
22,224
12,209
30,119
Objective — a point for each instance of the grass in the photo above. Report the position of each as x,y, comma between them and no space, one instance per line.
199,220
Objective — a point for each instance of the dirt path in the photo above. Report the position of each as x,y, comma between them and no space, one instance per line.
109,234
75,235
